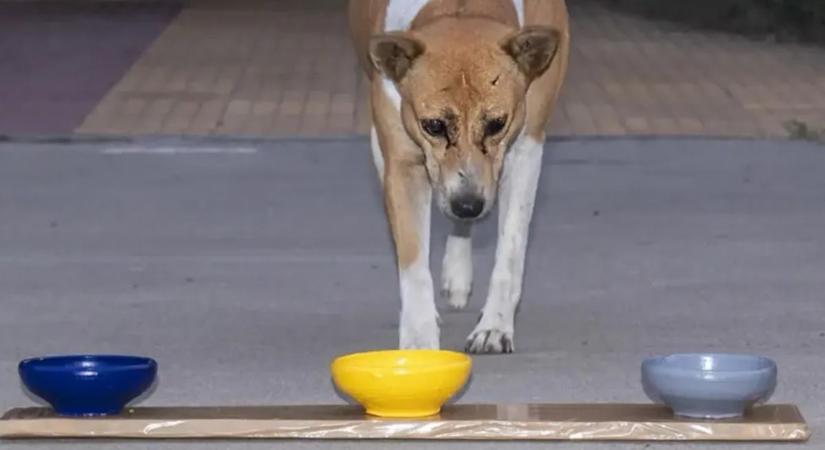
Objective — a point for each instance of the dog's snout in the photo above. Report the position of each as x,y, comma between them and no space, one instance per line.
467,206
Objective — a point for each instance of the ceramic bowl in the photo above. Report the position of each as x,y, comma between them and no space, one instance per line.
709,385
88,385
402,383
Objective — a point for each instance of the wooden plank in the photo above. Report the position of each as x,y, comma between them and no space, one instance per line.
607,422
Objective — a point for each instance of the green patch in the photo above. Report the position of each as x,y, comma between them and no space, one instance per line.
796,20
803,131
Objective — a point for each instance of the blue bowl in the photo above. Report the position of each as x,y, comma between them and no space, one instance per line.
709,385
88,385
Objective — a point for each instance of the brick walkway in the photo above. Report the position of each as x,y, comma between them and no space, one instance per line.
278,69
54,66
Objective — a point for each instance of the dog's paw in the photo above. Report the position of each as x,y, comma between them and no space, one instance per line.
419,334
456,298
489,340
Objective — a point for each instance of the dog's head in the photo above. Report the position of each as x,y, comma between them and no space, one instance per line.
463,85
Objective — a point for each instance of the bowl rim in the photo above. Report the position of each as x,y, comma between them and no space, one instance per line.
111,363
661,362
462,359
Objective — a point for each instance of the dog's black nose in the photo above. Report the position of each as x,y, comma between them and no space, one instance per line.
467,206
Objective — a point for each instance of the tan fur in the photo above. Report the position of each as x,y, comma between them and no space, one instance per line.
464,69
366,18
405,177
547,87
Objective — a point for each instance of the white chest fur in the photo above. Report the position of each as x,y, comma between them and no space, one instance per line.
401,13
399,17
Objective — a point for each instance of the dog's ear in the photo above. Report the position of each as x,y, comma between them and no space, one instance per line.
393,54
533,49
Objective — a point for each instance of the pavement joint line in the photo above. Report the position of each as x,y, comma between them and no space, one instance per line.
177,150
206,259
188,140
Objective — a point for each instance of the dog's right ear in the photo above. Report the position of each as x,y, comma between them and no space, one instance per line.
393,54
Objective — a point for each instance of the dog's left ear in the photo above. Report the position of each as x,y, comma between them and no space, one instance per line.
533,49
393,54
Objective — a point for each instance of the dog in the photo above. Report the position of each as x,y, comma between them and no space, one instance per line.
461,92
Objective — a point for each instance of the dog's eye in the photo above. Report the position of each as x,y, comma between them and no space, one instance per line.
434,127
494,126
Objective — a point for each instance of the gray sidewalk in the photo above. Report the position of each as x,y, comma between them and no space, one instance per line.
245,270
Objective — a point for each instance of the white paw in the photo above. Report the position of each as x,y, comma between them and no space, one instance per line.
419,334
457,272
489,341
456,298
490,337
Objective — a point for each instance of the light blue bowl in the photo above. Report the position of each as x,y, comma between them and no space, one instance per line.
709,385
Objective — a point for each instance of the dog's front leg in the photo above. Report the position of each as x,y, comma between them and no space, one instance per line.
408,196
517,194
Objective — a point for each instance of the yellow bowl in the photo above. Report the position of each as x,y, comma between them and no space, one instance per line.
402,383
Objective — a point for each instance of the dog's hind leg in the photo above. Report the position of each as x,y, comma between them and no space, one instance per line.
457,266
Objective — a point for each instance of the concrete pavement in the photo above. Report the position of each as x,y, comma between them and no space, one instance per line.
245,266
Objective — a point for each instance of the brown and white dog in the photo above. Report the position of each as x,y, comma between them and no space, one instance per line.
461,93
